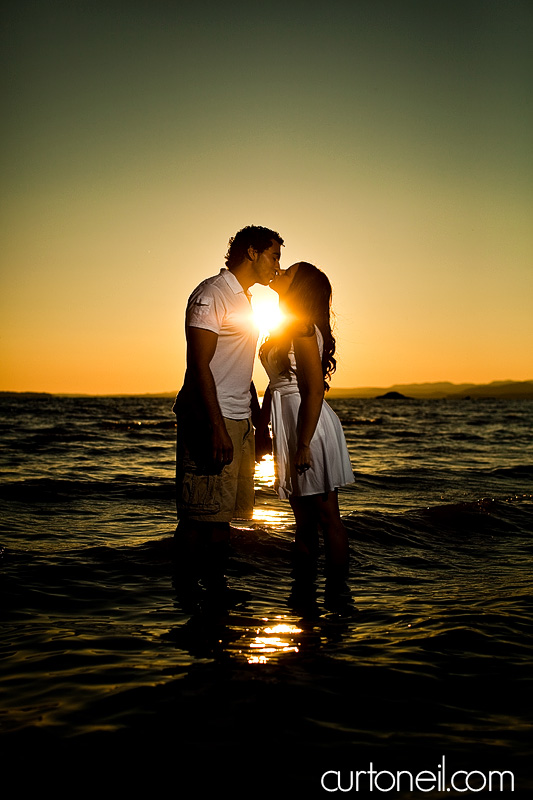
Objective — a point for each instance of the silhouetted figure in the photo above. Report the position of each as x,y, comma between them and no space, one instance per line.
214,409
310,454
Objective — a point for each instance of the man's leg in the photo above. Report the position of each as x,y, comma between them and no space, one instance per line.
245,495
206,502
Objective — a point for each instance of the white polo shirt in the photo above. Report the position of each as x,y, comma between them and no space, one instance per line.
221,305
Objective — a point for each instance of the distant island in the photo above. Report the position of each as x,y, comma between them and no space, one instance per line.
506,390
393,396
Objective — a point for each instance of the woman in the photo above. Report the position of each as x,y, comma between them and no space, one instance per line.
310,454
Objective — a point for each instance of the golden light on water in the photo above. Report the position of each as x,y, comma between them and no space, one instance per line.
268,510
264,471
269,516
273,640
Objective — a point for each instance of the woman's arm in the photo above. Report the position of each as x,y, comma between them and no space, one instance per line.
311,386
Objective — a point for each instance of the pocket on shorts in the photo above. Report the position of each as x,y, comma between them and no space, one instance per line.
199,493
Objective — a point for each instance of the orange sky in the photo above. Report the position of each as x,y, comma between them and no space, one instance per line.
397,158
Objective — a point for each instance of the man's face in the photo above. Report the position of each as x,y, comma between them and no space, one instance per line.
266,264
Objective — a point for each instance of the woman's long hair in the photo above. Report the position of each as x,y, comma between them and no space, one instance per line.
306,304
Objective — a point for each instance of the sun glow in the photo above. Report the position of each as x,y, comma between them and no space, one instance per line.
266,314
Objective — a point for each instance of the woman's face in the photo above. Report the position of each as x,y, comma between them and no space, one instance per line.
281,283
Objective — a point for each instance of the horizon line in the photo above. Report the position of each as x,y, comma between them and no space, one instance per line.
367,387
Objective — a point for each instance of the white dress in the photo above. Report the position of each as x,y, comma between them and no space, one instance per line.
331,466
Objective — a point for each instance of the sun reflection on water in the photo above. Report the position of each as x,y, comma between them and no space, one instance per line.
264,471
273,640
268,516
269,510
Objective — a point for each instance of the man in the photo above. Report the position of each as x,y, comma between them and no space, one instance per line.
214,409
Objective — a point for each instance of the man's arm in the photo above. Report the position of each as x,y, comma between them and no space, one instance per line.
201,346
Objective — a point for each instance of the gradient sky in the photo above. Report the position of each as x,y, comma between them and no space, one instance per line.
389,142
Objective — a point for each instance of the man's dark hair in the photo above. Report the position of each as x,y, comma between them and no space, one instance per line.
252,236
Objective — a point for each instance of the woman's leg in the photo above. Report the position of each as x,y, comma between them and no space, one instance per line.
306,539
321,510
326,507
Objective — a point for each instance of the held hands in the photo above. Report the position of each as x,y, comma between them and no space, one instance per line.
263,443
303,460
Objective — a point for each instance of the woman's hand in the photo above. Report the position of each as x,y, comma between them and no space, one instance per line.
303,460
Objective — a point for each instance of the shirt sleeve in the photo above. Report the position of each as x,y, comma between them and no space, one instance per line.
205,310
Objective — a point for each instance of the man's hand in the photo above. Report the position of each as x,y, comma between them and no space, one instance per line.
222,446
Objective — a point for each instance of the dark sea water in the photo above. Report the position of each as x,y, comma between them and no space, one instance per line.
120,668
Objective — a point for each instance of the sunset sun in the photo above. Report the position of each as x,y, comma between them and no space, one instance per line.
266,314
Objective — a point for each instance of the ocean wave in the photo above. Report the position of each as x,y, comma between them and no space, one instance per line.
520,470
511,515
64,490
350,421
129,425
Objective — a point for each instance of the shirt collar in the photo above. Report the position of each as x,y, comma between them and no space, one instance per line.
233,282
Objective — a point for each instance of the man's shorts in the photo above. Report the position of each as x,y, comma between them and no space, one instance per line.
208,496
